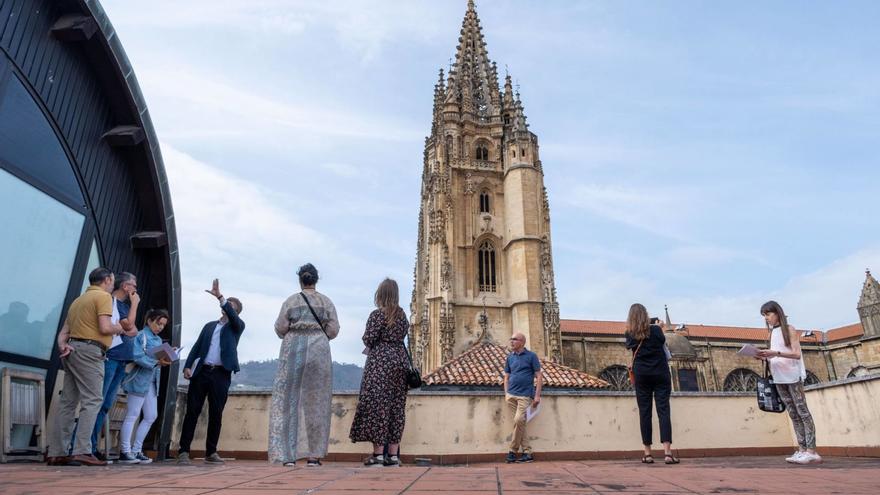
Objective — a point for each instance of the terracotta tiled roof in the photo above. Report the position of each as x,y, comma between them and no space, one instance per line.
483,364
617,328
847,332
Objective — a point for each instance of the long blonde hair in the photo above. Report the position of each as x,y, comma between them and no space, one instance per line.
637,323
387,299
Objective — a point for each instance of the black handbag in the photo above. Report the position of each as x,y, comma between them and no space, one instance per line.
413,375
768,396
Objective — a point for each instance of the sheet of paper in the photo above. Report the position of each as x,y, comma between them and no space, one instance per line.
195,364
748,350
532,411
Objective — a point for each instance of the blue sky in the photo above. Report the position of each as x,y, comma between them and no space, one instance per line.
704,155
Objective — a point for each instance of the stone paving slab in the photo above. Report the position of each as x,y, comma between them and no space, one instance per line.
733,475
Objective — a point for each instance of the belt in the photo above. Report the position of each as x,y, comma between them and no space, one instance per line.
212,367
92,342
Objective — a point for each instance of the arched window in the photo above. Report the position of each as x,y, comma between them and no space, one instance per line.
482,152
484,202
811,379
486,261
858,371
741,380
617,376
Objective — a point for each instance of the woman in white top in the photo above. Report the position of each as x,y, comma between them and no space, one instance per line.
787,368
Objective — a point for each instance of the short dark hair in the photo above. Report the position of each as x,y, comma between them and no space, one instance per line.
236,303
308,274
98,275
157,314
122,278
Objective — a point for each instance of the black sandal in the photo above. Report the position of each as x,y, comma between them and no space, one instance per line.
648,459
671,459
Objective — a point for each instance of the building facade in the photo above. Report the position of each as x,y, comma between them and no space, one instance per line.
82,182
484,242
704,358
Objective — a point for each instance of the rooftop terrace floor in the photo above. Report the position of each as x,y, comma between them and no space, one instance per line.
711,475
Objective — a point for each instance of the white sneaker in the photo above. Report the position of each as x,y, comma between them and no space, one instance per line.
794,457
807,458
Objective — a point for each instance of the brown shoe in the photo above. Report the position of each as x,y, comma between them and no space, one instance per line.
87,460
62,461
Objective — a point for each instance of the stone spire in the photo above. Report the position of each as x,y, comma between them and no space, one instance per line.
439,98
473,78
869,305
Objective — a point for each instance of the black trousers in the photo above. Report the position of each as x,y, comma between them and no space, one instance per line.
213,384
654,388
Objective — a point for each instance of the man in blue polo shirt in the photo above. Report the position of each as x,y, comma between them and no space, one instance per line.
522,389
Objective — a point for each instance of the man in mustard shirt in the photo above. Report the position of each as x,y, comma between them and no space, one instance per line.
82,344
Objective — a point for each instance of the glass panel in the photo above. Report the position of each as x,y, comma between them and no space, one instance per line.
94,262
37,252
28,142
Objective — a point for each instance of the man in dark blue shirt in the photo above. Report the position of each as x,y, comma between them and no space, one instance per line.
522,389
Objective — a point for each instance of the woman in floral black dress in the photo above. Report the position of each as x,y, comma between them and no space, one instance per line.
381,408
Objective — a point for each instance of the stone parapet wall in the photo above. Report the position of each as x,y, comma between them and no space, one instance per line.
460,426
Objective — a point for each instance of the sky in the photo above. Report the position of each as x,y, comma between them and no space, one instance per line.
707,156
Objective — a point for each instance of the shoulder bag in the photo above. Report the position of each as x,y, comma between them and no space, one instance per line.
320,323
413,374
768,396
632,375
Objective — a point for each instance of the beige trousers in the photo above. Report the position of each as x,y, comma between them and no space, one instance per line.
83,389
518,405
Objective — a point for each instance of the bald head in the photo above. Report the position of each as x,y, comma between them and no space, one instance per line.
517,341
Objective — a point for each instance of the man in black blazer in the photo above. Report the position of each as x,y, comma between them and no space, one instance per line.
209,368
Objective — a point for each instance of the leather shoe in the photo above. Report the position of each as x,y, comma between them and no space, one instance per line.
88,460
62,461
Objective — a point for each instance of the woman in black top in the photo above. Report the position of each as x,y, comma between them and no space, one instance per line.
651,369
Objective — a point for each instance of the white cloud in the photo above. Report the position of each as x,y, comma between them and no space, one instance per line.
342,170
245,235
195,105
664,213
363,31
696,254
823,299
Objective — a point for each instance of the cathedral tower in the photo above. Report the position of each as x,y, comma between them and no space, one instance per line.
484,222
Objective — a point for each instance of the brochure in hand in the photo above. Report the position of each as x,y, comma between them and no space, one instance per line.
164,351
748,350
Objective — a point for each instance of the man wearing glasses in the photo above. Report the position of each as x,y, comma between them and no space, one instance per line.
125,307
522,389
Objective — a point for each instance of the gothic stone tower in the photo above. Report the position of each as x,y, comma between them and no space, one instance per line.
484,222
869,306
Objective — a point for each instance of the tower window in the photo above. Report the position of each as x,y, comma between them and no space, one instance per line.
482,152
484,202
486,261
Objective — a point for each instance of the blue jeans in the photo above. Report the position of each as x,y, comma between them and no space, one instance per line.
114,372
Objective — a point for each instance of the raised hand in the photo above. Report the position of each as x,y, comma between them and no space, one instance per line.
215,289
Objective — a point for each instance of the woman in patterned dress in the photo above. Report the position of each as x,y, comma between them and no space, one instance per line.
299,419
381,408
